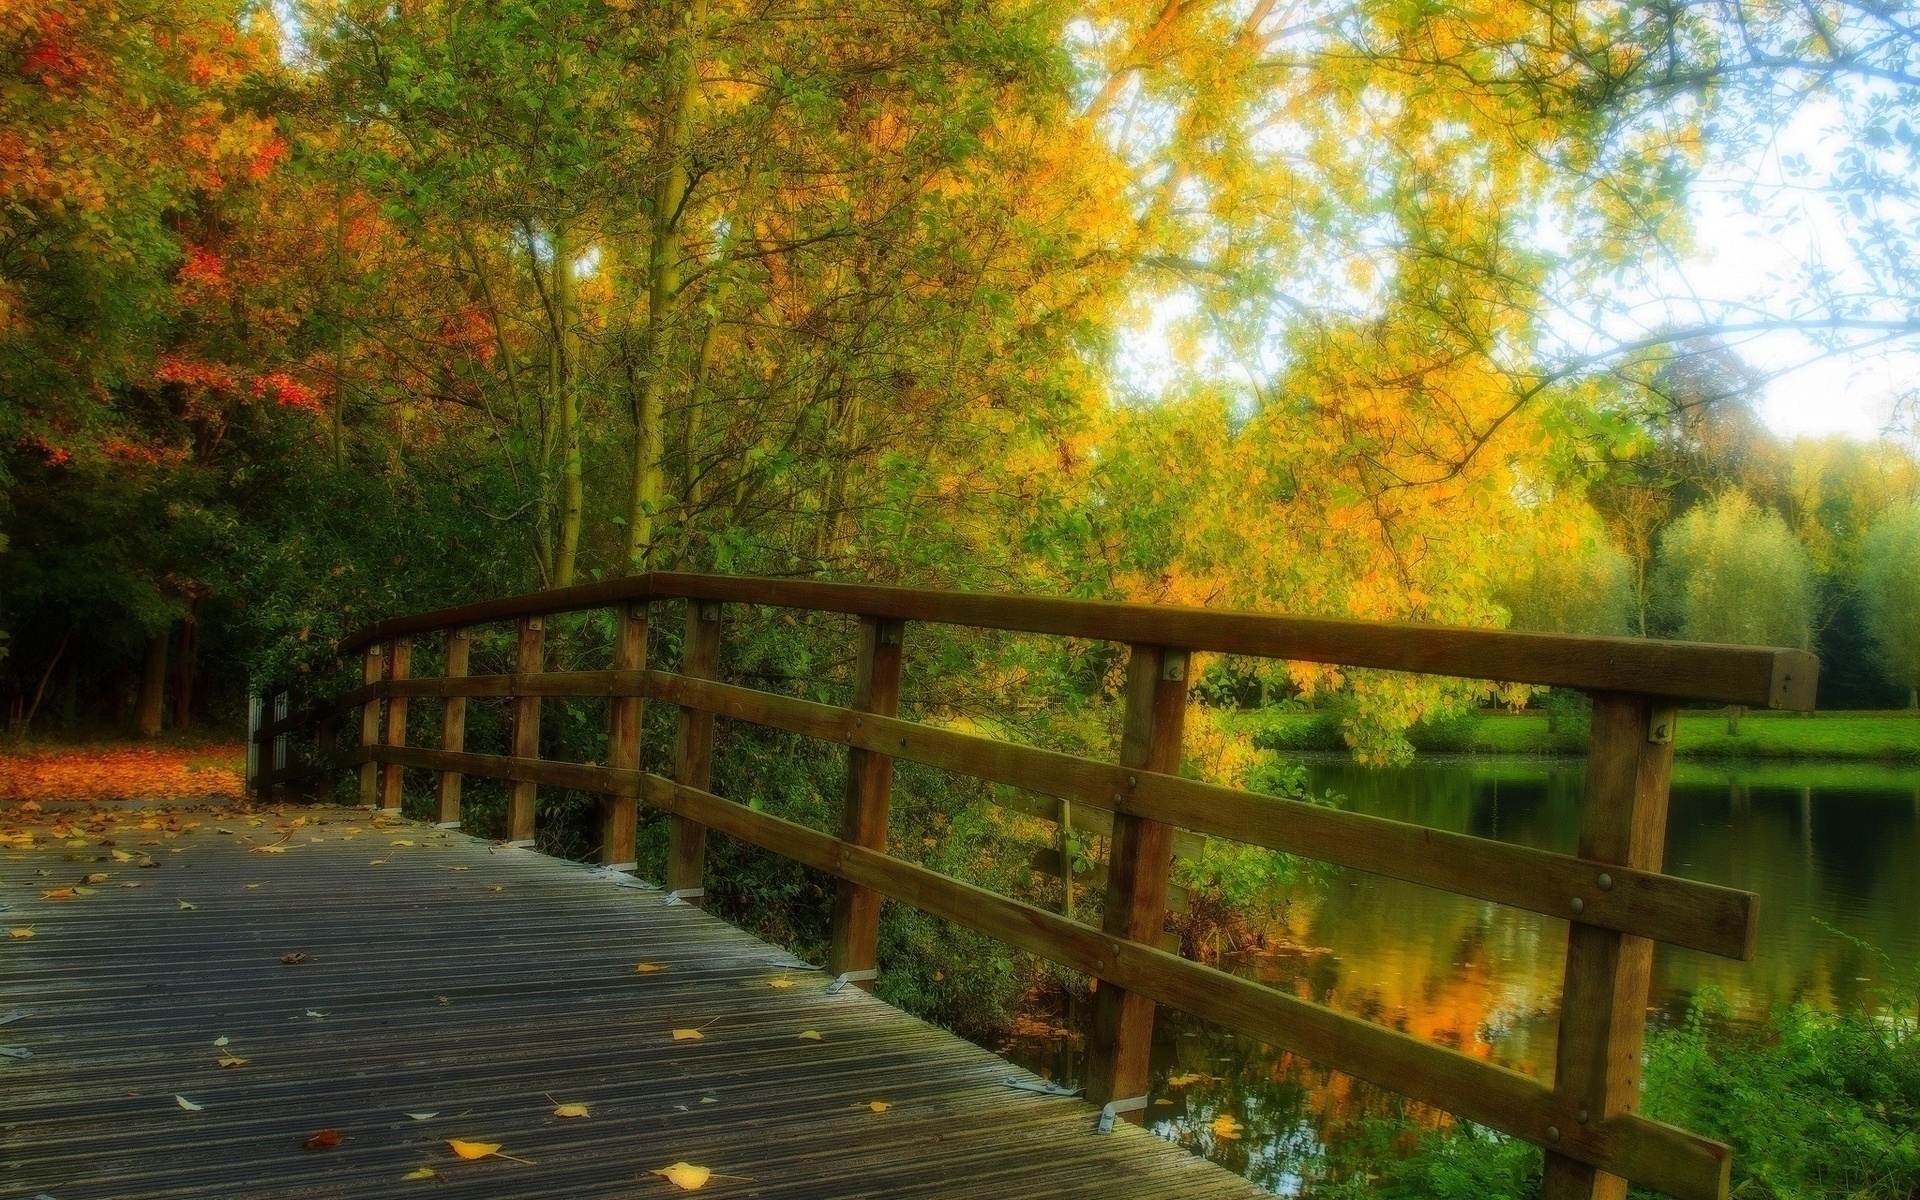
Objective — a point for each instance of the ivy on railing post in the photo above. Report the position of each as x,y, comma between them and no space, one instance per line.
529,659
618,817
453,729
371,663
399,666
863,821
1139,861
693,753
1603,1005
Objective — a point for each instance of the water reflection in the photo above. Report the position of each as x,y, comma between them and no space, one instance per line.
1831,850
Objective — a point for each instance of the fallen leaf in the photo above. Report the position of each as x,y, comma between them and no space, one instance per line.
424,1116
494,887
1226,1128
21,931
687,1035
1183,1080
876,1105
275,848
132,885
569,1110
810,1035
649,968
222,1040
229,1060
122,856
59,893
780,983
685,1176
444,1002
326,1139
187,1104
379,862
188,906
400,842
96,877
316,1014
252,886
295,958
421,1173
85,891
473,1150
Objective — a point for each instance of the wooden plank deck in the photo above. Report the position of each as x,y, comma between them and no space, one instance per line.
471,981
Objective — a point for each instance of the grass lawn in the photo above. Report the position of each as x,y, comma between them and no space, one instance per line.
1881,736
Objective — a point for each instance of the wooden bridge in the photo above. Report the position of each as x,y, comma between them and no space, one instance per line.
370,970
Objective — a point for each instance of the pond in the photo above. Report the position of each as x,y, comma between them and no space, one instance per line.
1830,848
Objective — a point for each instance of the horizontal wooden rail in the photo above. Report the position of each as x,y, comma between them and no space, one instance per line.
1678,912
1644,1151
1759,677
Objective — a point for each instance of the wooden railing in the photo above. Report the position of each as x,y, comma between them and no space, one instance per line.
1611,891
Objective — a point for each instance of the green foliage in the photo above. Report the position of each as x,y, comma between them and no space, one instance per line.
1731,572
1890,585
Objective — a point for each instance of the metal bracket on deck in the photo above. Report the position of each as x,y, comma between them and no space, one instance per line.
1044,1087
847,977
788,962
620,868
522,844
1114,1108
683,895
446,824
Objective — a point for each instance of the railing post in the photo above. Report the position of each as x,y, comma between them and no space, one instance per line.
1139,861
370,727
863,820
453,730
1603,1006
254,708
282,744
529,659
693,753
399,666
617,813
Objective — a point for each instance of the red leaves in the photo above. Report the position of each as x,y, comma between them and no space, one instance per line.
326,1139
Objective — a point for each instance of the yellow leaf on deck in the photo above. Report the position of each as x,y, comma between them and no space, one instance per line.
421,1173
876,1105
187,1104
187,905
276,848
122,856
570,1110
378,862
59,893
222,1040
686,1176
86,891
779,983
473,1150
1226,1128
229,1060
423,1116
648,968
687,1035
400,842
810,1035
21,931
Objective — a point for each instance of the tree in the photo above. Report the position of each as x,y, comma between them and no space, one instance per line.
1890,585
1732,572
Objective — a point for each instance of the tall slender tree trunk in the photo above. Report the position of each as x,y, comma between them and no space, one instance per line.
663,283
147,711
566,401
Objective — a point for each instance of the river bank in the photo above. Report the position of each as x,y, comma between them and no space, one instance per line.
1701,734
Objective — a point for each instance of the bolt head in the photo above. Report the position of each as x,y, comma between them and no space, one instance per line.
1605,881
1553,1133
1579,905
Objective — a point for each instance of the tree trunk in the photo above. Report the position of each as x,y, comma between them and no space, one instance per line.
183,679
663,279
1734,713
148,710
566,400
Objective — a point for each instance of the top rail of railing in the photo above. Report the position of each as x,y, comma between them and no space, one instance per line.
1755,676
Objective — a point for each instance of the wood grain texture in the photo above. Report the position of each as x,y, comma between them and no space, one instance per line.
471,982
1139,860
530,652
855,928
618,818
370,669
693,751
399,666
453,727
1760,677
1603,1005
1681,1164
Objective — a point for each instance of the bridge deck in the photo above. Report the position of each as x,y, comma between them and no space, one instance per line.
484,986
